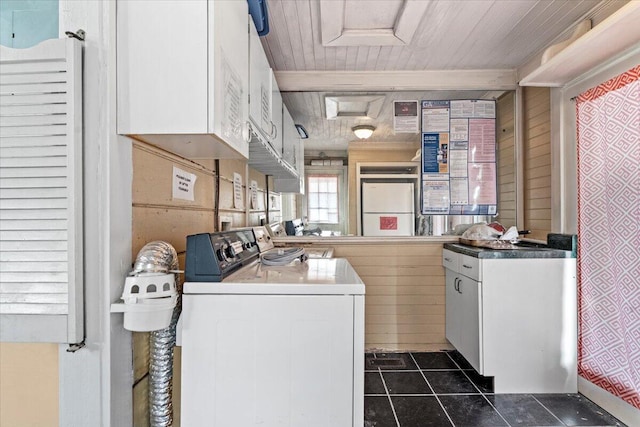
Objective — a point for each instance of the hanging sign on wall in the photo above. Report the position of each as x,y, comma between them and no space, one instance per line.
458,165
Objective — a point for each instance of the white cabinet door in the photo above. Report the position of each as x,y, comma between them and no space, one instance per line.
453,313
182,75
470,321
229,72
293,154
290,137
463,316
299,157
276,116
271,360
259,85
162,80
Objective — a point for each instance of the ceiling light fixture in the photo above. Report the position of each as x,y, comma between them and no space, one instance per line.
363,131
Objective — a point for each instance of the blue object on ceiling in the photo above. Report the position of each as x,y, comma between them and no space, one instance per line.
258,11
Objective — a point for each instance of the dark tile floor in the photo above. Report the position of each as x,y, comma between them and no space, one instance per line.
442,389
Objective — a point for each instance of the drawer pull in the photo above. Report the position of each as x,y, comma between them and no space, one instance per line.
448,259
466,266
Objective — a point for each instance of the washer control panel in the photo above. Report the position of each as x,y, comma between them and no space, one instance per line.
213,256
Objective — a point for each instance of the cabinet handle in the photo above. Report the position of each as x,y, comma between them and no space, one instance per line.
246,132
459,282
448,259
466,266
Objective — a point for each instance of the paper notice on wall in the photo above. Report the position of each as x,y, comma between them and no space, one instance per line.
473,108
459,130
459,191
482,140
482,183
183,184
457,163
238,199
435,116
435,197
405,117
253,187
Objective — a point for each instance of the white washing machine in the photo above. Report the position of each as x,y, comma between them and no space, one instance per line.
269,345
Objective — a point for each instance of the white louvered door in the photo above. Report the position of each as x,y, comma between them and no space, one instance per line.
41,280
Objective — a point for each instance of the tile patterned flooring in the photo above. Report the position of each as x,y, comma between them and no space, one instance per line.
442,389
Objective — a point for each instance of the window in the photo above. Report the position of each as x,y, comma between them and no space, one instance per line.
322,199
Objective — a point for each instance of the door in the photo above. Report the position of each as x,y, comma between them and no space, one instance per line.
453,313
276,116
268,360
387,197
229,72
470,318
259,84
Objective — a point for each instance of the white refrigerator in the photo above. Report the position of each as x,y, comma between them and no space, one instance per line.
388,209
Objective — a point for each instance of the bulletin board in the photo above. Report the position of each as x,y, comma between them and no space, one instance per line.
458,162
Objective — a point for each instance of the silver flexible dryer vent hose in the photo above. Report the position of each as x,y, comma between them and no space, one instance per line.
160,257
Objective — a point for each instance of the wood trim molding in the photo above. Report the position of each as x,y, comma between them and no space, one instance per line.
314,81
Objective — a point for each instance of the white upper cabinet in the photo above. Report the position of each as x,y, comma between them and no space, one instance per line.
276,115
290,138
183,75
293,154
260,102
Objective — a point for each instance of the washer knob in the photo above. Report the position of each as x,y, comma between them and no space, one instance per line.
230,252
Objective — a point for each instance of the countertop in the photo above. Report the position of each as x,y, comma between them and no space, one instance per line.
521,252
363,240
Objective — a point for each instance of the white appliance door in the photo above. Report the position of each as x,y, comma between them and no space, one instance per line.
270,360
387,197
388,224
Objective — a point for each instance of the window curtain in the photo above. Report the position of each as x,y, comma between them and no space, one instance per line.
608,124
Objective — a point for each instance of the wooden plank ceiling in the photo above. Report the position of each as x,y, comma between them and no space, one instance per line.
315,35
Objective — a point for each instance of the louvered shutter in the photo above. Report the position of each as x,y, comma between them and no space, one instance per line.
41,286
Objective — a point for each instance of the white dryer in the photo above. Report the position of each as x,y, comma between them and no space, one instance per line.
266,345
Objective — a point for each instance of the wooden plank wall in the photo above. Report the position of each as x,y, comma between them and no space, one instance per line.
402,152
506,160
157,216
405,293
537,161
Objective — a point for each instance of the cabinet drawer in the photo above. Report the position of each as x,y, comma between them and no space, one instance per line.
450,259
469,266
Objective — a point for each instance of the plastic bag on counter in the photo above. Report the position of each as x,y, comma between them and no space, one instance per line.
510,234
481,232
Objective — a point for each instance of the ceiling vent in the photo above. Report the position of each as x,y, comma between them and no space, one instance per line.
350,106
370,23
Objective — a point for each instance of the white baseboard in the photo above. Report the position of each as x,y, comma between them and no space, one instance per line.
610,403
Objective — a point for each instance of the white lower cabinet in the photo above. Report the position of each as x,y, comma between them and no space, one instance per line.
514,319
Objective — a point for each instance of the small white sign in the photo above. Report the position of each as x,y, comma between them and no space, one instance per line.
184,184
238,200
405,117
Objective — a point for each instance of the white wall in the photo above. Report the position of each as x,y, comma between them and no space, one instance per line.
96,381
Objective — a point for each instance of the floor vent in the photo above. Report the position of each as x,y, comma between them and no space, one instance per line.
386,363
